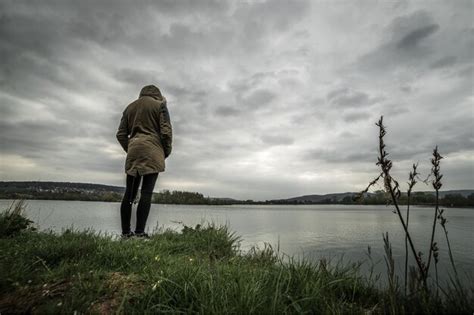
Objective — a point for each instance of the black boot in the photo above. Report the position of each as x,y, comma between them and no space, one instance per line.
142,235
127,235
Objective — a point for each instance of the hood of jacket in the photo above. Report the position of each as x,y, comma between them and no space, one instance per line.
151,90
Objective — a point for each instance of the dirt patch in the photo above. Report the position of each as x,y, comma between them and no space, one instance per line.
120,287
25,298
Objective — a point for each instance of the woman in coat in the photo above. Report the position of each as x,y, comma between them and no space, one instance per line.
145,133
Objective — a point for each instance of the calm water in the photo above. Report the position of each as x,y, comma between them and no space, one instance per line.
312,232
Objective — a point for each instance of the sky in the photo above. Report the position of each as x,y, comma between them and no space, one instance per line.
268,99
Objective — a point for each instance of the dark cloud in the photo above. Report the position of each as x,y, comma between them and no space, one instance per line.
227,111
51,140
412,27
467,72
182,38
347,97
280,15
412,39
206,8
407,44
406,88
347,134
444,62
32,139
341,156
277,140
136,78
453,136
255,80
392,110
356,116
258,99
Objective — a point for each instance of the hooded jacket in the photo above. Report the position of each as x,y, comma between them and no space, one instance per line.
145,133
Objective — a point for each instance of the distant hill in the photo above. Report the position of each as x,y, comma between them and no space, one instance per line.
338,197
98,192
320,198
60,191
57,186
447,198
462,192
95,192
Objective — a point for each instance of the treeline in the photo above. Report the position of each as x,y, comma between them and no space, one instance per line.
381,198
164,197
60,191
94,192
65,195
194,198
27,186
187,198
416,198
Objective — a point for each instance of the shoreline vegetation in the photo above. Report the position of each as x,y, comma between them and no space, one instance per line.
196,270
36,190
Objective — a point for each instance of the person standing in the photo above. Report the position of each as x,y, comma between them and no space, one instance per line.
145,133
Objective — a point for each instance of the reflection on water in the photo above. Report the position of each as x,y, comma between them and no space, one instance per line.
312,232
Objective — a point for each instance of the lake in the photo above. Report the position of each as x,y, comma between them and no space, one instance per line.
310,231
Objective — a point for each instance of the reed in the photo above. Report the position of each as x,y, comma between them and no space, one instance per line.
392,187
415,280
412,176
435,170
392,279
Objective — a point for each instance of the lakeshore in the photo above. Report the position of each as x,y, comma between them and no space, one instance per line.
310,232
198,269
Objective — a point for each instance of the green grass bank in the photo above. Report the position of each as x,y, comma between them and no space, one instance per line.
198,270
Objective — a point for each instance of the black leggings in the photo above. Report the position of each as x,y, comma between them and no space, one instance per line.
144,204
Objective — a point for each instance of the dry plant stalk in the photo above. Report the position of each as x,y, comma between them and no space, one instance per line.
443,221
435,170
390,263
411,183
393,189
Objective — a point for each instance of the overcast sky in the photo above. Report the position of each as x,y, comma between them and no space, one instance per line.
268,99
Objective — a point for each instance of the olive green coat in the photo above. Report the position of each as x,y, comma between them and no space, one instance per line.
145,133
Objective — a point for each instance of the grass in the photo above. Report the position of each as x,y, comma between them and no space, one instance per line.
197,270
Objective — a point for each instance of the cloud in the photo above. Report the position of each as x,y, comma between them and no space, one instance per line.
407,43
412,39
356,116
340,156
259,98
226,111
267,98
444,62
277,140
347,97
